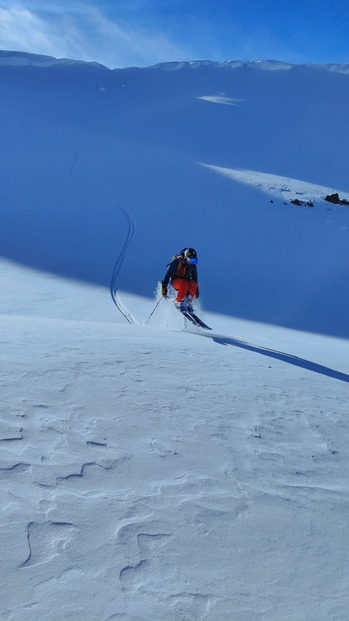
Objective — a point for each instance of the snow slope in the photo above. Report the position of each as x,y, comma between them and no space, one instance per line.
152,474
85,139
155,471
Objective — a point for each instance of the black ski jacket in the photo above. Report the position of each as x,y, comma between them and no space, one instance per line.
179,268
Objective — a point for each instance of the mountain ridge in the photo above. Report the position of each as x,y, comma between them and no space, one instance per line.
18,58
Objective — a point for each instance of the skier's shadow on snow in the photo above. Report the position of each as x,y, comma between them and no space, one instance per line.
278,355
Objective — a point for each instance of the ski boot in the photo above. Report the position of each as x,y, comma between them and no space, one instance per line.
182,306
189,306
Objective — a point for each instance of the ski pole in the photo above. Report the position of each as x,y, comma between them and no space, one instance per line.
154,309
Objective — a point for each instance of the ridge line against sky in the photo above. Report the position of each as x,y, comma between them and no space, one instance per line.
126,33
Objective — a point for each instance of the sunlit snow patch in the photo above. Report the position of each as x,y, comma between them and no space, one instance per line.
270,65
221,99
275,184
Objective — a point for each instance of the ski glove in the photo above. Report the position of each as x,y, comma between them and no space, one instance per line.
197,293
164,290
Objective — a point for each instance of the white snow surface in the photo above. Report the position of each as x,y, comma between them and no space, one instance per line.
157,471
153,474
221,99
275,185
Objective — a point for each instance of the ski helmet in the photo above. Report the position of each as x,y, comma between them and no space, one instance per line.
190,254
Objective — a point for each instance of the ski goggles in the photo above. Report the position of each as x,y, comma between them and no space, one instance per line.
192,260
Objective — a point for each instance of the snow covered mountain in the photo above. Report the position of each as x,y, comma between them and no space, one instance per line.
157,472
196,152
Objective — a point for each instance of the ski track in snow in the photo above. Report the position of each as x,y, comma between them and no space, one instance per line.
153,474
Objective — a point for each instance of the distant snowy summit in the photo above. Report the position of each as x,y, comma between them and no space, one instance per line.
23,59
263,65
269,65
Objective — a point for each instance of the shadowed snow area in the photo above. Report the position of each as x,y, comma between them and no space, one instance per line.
80,140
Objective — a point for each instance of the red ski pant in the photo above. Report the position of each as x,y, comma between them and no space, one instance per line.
185,288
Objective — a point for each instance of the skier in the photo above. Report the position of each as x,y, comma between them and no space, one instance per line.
183,274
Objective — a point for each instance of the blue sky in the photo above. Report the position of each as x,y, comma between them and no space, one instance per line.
122,33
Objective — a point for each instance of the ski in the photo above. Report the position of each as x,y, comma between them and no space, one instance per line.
188,316
191,316
196,320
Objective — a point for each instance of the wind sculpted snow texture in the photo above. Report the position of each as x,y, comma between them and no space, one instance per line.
152,474
79,140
